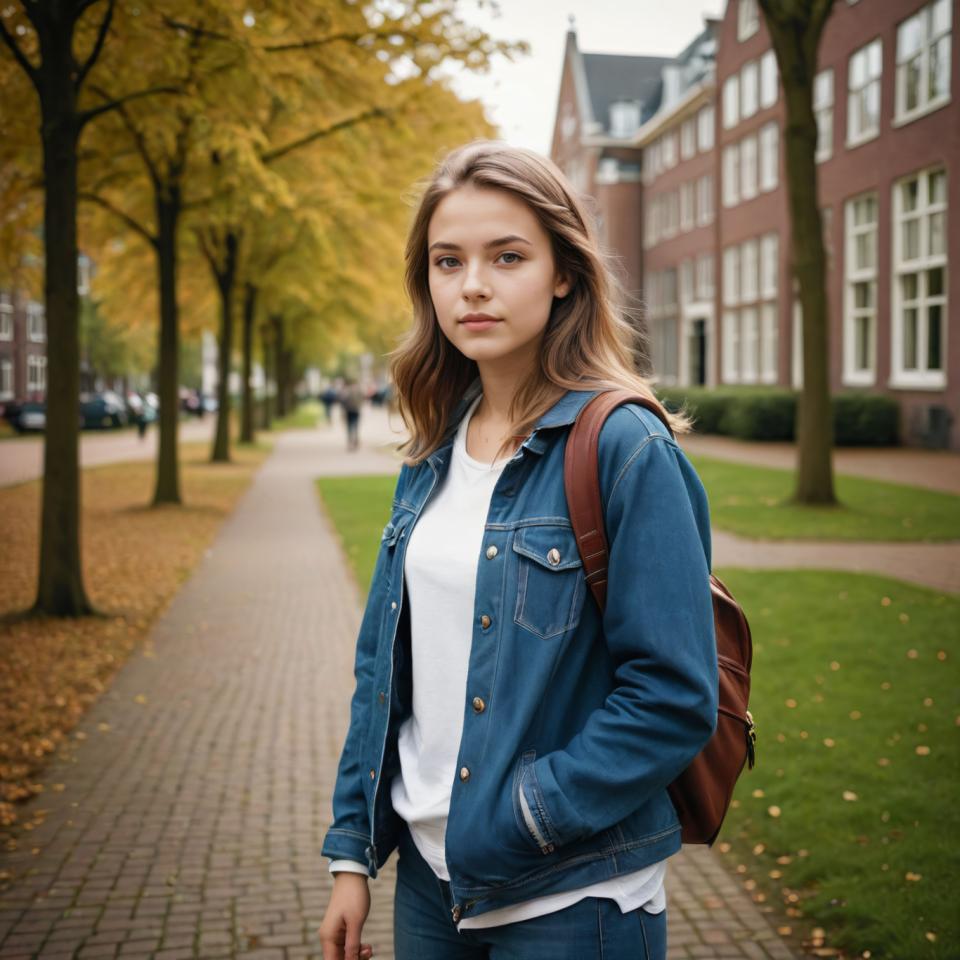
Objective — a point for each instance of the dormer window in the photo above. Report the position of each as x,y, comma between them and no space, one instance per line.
624,118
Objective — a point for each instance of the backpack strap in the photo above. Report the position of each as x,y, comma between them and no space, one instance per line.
581,479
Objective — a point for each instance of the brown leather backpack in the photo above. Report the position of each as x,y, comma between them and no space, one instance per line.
701,794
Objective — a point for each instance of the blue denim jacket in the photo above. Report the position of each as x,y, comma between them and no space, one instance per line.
574,722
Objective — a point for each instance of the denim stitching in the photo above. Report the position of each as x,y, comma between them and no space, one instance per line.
633,456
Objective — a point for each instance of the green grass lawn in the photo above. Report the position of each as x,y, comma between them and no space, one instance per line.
849,820
750,501
305,415
851,814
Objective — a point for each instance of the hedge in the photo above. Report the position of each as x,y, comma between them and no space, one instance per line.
769,413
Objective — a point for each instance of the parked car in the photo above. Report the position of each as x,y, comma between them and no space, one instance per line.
29,416
103,409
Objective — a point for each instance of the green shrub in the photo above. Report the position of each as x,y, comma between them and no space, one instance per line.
769,413
865,419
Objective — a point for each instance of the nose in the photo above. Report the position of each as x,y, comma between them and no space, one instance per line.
475,285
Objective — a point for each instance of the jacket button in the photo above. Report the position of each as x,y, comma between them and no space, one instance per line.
554,556
464,773
484,621
373,775
478,705
455,912
393,605
381,697
491,552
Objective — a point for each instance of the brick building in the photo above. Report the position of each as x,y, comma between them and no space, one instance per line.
23,349
714,264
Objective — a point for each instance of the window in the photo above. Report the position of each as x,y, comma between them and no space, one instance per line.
705,121
731,101
608,170
669,150
923,60
769,265
36,321
749,89
686,281
36,372
663,329
705,200
860,294
731,175
748,168
920,280
863,98
686,206
750,345
769,156
705,276
624,118
748,19
650,228
6,379
669,220
731,346
688,138
6,317
731,276
768,343
823,111
749,270
768,80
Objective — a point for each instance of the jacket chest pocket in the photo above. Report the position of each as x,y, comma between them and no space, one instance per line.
396,529
550,580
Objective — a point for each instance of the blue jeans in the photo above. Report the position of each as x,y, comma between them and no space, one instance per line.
591,929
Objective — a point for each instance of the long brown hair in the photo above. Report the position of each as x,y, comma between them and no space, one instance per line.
591,341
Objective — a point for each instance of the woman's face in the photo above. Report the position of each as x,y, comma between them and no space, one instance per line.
490,257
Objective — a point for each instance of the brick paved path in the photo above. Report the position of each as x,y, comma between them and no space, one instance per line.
190,824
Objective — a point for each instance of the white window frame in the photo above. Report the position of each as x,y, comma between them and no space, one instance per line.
731,346
933,35
36,373
688,138
769,336
823,112
748,19
731,101
870,55
6,316
749,167
749,344
36,322
855,274
731,275
706,119
669,150
731,175
769,265
920,377
705,209
704,281
769,80
687,289
624,118
6,378
769,151
749,271
687,218
749,89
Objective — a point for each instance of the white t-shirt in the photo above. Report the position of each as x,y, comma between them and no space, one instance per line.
440,572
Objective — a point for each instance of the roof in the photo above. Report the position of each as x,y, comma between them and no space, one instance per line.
611,77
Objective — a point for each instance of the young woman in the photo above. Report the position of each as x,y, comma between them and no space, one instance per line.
510,741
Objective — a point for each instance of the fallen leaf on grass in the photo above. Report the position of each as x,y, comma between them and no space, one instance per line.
774,811
913,877
850,795
923,751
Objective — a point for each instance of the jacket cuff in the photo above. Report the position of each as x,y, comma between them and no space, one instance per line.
341,843
348,866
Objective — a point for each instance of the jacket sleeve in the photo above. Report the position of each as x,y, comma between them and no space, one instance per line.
658,626
348,837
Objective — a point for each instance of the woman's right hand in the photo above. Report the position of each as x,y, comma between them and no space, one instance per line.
346,913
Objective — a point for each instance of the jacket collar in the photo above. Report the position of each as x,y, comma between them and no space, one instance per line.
563,412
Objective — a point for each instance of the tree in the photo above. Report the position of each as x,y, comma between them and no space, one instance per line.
49,34
795,28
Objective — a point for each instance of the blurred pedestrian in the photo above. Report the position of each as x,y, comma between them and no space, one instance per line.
141,418
351,398
328,398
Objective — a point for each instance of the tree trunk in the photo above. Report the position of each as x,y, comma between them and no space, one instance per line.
225,283
268,375
795,29
60,589
249,311
279,359
167,488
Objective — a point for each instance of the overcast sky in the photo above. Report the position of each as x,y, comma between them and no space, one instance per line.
521,97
